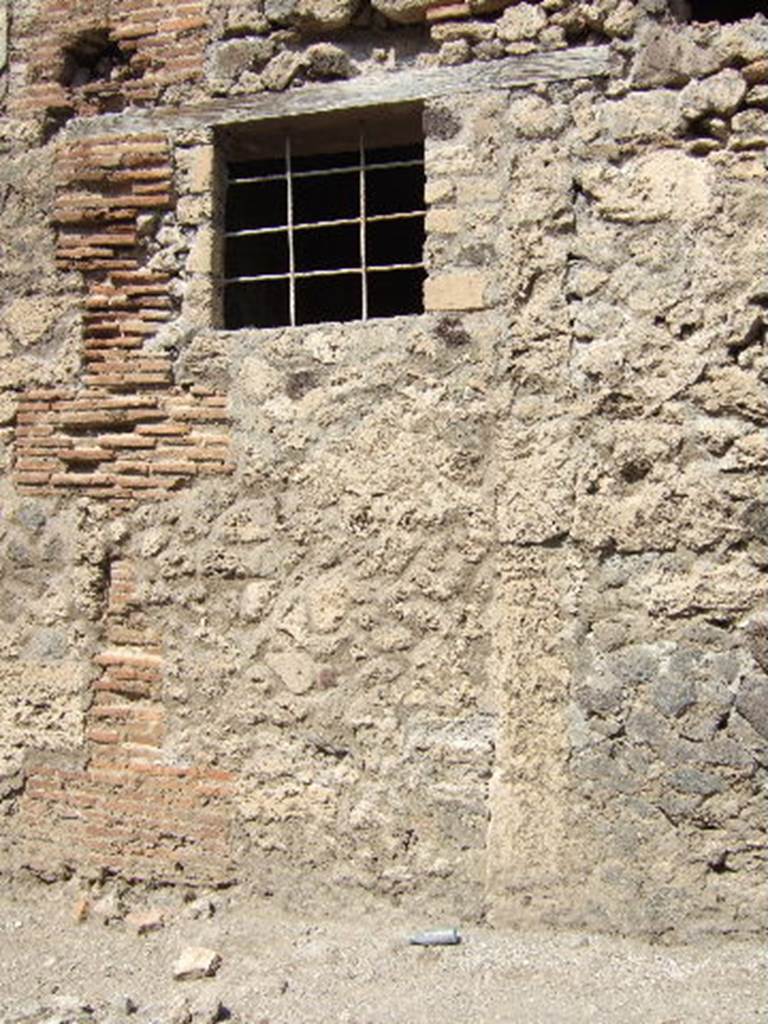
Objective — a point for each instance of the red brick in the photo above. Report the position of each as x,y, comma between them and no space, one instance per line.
102,735
125,441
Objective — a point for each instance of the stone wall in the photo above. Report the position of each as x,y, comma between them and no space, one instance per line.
462,606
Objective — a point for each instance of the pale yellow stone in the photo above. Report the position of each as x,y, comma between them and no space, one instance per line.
294,668
201,169
455,291
200,258
438,191
29,318
444,221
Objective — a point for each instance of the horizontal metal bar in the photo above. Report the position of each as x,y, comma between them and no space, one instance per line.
341,222
336,272
326,172
396,266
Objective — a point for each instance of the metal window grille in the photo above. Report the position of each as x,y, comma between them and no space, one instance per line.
322,237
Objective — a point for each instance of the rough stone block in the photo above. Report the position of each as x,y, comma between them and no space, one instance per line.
720,94
673,697
325,15
523,21
294,668
668,55
743,42
691,780
403,11
752,703
750,129
200,259
438,191
662,185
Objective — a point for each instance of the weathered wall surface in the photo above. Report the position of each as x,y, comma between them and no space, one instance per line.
464,605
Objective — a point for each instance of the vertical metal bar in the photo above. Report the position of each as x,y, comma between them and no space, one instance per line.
291,257
222,181
363,254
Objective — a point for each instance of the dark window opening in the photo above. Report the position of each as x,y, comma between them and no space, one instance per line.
328,229
92,57
724,11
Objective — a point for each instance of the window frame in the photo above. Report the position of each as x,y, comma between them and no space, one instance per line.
376,129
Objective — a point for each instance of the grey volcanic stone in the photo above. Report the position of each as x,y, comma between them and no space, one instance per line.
752,703
691,780
673,697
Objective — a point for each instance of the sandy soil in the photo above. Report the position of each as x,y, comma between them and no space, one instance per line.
353,968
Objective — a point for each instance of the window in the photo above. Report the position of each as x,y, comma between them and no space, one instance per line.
323,219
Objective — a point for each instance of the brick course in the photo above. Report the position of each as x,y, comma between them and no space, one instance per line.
161,48
127,434
128,811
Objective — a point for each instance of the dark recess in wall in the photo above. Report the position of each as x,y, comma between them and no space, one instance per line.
93,56
725,11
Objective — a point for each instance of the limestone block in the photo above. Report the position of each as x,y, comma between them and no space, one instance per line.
325,15
523,21
720,94
254,600
280,12
230,58
535,118
476,31
294,668
282,70
200,259
454,52
750,129
193,209
641,115
758,96
196,166
731,589
439,191
731,391
326,62
328,602
455,291
243,17
743,42
665,185
403,11
669,55
443,221
623,19
29,318
7,409
41,709
756,73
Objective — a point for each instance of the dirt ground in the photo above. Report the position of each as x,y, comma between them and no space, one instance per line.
353,968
